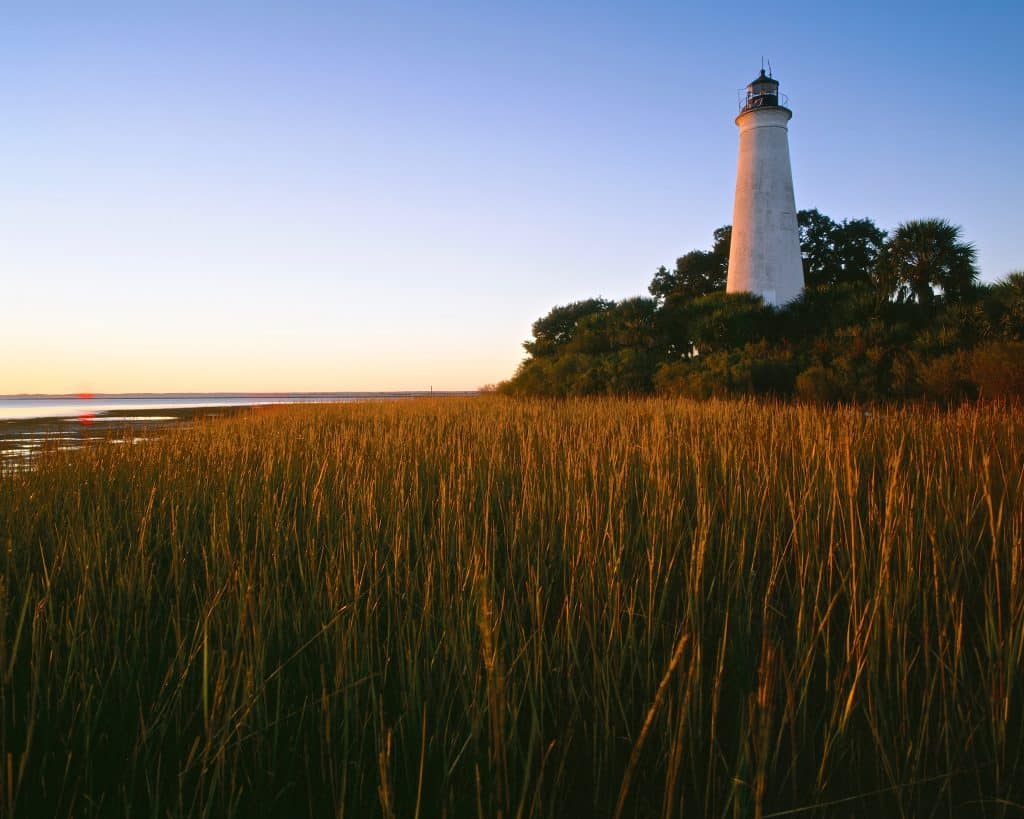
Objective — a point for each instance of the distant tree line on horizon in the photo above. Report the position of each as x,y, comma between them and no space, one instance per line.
882,317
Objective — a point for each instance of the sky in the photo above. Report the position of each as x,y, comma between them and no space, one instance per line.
331,196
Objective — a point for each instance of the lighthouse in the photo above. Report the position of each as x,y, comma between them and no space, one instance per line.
764,254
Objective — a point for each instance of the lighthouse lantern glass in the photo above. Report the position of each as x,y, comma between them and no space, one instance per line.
762,95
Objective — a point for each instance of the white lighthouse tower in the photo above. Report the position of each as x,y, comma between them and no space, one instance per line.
764,253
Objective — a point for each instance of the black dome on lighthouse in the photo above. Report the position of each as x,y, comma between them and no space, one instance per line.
764,78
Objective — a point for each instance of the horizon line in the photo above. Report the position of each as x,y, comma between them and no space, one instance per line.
232,394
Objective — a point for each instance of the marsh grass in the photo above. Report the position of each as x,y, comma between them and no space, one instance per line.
494,608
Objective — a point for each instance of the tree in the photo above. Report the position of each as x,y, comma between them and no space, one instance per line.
723,321
836,253
925,259
817,247
592,347
822,310
623,324
558,327
858,243
633,324
696,274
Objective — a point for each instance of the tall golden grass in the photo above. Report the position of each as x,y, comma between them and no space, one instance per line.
482,607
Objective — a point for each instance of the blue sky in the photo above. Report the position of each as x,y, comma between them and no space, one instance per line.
343,196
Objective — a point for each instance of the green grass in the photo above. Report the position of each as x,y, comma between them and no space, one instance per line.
481,607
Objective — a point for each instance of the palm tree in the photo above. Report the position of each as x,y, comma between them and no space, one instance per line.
924,258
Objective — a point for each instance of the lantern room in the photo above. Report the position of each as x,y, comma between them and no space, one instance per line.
763,92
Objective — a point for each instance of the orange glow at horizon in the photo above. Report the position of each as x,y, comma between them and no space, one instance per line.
120,371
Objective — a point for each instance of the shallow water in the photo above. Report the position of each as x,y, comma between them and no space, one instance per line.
22,441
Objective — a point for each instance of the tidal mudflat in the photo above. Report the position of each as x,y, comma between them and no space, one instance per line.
23,440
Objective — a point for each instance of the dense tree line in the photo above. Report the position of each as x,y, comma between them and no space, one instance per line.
900,316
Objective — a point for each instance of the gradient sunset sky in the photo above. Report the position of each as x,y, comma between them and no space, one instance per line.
207,196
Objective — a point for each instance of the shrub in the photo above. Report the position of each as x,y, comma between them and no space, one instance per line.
817,384
997,370
945,378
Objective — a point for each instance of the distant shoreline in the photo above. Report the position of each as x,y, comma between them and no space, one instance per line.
71,396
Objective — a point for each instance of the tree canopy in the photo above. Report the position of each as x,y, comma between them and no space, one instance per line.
882,317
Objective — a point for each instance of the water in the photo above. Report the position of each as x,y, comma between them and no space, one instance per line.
31,424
